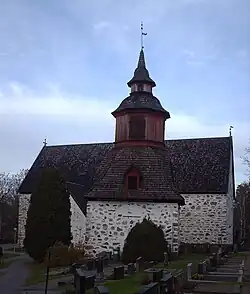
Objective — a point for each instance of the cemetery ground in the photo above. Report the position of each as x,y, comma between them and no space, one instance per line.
130,284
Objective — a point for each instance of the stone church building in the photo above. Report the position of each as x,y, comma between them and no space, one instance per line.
185,185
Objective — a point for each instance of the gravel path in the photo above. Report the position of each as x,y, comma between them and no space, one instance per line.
15,275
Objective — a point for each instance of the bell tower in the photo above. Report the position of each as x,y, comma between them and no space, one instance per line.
140,118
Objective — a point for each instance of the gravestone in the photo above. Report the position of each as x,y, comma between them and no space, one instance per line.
131,268
202,268
101,290
152,288
117,254
99,265
99,269
119,272
139,264
165,259
189,271
179,281
90,264
89,282
167,284
80,281
155,275
73,269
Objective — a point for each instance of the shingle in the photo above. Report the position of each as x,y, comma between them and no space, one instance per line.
141,100
198,165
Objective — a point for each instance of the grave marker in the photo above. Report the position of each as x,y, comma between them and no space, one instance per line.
80,282
139,264
119,272
167,284
131,268
101,290
152,288
189,271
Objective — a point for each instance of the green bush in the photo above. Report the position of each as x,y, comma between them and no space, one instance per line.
62,255
145,240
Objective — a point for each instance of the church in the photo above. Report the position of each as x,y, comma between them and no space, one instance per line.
186,185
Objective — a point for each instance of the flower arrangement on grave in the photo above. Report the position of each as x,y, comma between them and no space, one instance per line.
197,276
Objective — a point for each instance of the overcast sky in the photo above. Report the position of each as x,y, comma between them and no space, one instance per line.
64,66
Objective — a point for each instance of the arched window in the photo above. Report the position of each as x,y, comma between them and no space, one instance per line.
137,128
133,179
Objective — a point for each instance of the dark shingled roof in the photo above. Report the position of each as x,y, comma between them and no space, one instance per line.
198,165
155,170
141,100
141,73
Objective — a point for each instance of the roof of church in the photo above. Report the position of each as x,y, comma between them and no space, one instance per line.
198,165
155,170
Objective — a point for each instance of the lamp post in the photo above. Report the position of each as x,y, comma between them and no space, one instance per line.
47,273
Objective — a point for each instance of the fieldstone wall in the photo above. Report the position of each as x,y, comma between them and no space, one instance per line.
204,219
78,220
108,222
78,223
24,202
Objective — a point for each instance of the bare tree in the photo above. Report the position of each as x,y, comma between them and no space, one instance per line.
246,159
9,184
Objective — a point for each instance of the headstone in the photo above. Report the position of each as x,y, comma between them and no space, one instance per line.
152,288
101,290
131,268
119,272
179,281
89,282
167,284
116,254
200,268
80,281
155,275
90,264
99,265
165,259
189,271
139,264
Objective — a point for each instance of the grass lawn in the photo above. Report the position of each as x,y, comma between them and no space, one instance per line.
183,260
38,274
127,285
10,255
6,263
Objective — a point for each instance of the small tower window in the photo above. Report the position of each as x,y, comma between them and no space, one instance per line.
137,128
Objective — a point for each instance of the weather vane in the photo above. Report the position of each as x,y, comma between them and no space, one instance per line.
230,130
142,34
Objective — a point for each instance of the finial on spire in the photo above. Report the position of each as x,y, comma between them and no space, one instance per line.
45,142
142,34
230,130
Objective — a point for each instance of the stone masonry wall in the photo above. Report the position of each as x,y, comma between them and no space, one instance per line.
78,223
78,220
24,202
108,223
203,219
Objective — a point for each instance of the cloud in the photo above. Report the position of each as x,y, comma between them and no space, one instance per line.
27,117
